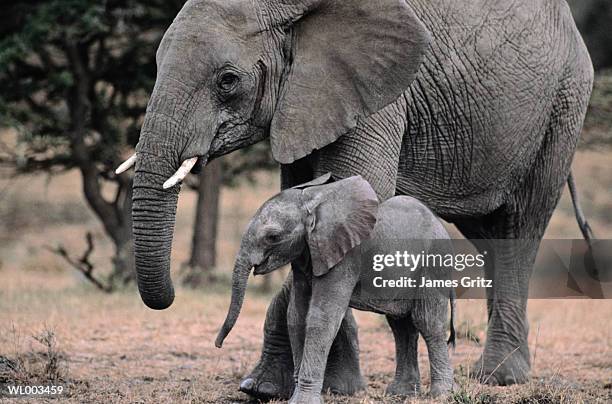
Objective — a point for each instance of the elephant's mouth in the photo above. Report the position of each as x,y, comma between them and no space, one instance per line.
263,268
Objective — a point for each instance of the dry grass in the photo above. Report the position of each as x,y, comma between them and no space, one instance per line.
42,363
112,349
118,351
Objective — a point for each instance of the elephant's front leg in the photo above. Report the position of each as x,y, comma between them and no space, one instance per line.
328,304
343,373
272,377
296,316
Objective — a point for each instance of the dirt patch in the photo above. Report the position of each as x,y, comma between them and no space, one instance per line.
116,350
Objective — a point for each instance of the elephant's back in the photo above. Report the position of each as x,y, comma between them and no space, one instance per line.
405,217
480,105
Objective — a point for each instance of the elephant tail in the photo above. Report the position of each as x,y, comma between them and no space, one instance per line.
585,228
453,306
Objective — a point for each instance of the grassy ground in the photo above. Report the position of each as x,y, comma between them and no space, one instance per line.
109,348
112,349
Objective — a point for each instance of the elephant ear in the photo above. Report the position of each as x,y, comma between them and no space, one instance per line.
322,180
349,60
340,216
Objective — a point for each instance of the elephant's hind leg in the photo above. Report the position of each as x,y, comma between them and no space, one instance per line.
510,258
407,379
522,222
429,314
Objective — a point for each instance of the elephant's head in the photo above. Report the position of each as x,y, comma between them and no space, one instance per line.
233,72
329,219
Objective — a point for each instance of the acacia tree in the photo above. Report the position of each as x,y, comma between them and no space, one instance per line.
74,81
75,76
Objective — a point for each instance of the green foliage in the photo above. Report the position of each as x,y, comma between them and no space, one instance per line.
75,75
75,78
598,123
74,81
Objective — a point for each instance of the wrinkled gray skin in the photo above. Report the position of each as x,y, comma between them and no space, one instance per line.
325,222
474,107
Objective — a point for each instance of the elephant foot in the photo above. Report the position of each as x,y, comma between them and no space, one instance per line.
344,381
403,388
510,369
440,389
301,397
272,378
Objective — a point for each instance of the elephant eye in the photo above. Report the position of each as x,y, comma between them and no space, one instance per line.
228,81
273,238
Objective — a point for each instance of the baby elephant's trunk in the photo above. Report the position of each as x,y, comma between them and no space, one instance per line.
242,269
453,305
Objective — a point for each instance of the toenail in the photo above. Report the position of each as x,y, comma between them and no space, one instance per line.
247,385
267,388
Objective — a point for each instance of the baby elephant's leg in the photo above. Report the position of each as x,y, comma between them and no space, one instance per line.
441,371
343,374
328,304
297,312
407,379
429,317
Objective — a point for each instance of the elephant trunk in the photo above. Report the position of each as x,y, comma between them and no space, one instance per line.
154,214
240,276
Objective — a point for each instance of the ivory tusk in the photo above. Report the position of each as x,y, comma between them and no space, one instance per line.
181,173
126,165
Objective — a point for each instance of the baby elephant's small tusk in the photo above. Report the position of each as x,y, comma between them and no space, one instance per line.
126,165
181,173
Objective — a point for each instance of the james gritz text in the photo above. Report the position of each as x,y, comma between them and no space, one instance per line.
406,282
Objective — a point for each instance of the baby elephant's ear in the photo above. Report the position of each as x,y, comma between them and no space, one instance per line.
324,179
340,216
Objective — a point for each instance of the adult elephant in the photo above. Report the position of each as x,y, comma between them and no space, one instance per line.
479,103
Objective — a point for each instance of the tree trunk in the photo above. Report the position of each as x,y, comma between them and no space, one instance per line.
124,267
203,246
116,217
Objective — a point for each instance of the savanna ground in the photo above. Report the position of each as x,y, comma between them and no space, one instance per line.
109,348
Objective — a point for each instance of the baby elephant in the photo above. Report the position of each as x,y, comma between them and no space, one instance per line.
318,226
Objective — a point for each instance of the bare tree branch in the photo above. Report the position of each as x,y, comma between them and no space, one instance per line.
83,265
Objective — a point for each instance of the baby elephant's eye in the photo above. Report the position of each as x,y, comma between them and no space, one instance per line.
228,81
273,238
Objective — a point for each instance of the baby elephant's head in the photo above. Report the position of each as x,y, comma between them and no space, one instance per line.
329,218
